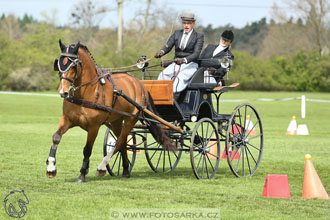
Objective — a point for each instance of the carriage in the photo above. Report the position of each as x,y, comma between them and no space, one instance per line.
168,125
195,124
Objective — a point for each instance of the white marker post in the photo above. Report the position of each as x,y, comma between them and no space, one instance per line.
303,106
302,129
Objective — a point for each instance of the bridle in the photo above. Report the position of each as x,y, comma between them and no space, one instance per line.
74,60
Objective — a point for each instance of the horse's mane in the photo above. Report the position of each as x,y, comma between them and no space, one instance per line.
89,53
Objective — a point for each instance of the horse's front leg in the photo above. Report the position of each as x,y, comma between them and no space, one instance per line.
91,136
51,160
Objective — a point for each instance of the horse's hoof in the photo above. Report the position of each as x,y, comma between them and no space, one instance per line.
51,174
126,174
81,179
100,173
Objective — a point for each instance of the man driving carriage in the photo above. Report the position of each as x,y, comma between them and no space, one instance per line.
215,74
188,45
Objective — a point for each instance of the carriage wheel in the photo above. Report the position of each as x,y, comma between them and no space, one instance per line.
115,166
160,160
244,140
205,149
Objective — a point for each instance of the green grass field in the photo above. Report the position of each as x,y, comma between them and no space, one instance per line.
27,124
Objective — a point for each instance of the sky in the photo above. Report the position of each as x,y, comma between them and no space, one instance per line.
215,12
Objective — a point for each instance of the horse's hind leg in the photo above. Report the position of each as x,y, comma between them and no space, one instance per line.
126,173
126,129
64,125
91,136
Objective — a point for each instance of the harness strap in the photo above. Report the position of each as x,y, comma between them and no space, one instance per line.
97,106
97,91
101,107
114,88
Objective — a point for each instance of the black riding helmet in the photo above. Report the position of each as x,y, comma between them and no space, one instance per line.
228,35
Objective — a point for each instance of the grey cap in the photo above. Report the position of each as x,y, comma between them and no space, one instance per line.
188,16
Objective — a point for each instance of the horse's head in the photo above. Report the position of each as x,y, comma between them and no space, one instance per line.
69,67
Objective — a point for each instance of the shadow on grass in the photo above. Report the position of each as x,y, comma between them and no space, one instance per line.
178,173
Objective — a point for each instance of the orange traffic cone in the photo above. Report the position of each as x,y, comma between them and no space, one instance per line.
213,148
233,154
292,129
233,151
276,186
312,186
249,129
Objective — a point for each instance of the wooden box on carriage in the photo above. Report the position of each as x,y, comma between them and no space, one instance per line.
160,90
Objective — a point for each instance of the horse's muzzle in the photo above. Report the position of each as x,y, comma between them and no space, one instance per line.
64,94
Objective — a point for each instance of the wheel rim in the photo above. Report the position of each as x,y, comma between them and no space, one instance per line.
160,160
115,166
244,140
205,149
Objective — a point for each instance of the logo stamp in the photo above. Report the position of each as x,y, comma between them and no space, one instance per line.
15,204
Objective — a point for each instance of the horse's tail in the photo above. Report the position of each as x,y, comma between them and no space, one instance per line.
156,128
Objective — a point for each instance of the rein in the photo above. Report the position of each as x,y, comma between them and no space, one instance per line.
111,72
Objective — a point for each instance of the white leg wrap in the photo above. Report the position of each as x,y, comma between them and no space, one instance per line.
105,161
51,164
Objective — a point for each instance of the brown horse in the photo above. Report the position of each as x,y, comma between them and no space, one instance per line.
82,80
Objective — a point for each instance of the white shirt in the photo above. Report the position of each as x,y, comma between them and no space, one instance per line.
187,39
218,49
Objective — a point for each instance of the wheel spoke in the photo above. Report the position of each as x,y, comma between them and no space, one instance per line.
210,161
119,163
207,170
169,159
242,161
239,159
203,167
252,128
160,155
247,160
238,143
129,161
152,156
231,159
216,156
199,162
251,155
197,154
253,146
256,136
114,163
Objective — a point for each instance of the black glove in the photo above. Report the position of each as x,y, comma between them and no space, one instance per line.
179,61
212,71
159,54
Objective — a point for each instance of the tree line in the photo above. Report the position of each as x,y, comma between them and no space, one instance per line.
291,54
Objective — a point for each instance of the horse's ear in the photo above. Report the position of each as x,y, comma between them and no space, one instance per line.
75,49
62,46
56,65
